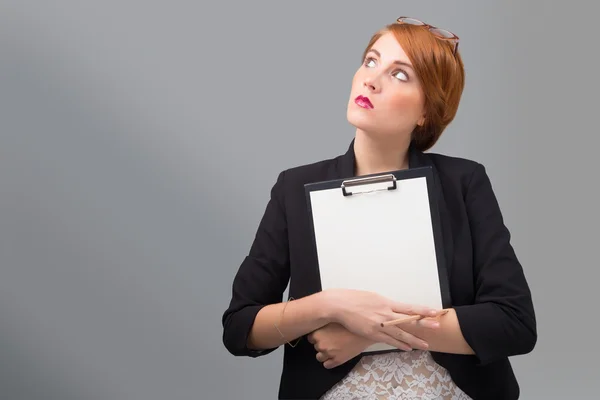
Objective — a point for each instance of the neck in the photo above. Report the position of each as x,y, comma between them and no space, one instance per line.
378,156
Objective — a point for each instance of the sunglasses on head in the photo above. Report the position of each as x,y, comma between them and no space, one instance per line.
437,32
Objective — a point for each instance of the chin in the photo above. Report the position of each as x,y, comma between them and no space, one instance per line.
360,120
364,123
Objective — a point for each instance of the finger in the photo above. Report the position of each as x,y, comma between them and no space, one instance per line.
428,323
404,320
311,338
443,312
408,338
412,309
322,357
383,337
336,361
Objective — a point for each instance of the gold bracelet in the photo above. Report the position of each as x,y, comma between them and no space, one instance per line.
281,319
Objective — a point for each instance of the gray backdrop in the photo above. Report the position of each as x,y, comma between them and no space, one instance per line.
139,143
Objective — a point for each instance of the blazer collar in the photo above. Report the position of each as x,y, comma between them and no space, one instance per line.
416,158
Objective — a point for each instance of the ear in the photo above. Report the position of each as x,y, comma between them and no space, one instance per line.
421,121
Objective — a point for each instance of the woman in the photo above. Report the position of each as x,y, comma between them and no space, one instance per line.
404,94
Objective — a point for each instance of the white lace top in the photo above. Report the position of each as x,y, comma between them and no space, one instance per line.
397,376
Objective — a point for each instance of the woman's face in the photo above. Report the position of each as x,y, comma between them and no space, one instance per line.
386,100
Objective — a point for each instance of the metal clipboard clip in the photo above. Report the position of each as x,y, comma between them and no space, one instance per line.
367,181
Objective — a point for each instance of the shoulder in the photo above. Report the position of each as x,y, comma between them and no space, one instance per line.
452,162
466,180
310,172
299,175
453,166
456,170
288,188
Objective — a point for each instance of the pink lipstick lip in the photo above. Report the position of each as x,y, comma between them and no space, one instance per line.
364,102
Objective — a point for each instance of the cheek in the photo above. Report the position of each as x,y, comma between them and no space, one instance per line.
359,76
406,103
355,81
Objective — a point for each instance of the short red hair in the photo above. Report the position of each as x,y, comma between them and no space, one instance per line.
440,72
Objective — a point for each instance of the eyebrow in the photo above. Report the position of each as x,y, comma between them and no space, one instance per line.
395,61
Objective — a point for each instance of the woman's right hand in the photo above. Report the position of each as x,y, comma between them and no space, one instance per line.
363,312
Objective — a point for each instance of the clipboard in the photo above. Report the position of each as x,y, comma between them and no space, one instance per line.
381,233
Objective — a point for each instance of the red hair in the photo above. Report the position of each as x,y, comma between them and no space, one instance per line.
441,74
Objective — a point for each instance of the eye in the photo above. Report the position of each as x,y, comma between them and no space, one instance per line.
369,62
403,76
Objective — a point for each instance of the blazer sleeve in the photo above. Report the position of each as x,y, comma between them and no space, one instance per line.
261,278
501,322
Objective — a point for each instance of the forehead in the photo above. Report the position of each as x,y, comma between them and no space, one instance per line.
390,49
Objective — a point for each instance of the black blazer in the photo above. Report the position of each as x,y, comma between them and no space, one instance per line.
488,288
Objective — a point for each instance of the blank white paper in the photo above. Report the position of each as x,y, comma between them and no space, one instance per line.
381,241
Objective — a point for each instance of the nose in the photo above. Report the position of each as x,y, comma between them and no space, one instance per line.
371,84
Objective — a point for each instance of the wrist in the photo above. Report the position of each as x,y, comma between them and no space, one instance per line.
328,307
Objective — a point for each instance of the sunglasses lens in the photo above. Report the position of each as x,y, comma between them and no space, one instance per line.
411,21
442,33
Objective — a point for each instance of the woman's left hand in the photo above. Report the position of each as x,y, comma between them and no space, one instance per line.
335,344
